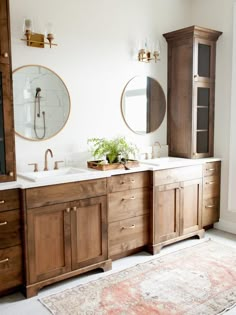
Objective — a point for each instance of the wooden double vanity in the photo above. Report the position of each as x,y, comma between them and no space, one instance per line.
53,232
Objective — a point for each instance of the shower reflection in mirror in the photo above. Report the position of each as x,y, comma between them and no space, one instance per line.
37,114
41,102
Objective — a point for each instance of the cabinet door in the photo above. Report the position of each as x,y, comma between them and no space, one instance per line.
48,240
4,32
191,206
7,140
89,232
203,126
166,212
204,60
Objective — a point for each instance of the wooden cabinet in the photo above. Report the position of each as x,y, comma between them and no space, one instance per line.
191,90
64,239
128,213
211,194
7,135
177,205
11,275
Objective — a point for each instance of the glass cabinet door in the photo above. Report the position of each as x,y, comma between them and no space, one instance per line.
203,119
204,65
2,143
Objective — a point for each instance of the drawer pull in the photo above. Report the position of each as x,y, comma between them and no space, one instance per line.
74,208
128,227
4,261
2,201
67,210
132,181
210,183
129,198
3,223
211,169
210,206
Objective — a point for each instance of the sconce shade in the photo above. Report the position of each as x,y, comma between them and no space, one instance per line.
146,54
35,39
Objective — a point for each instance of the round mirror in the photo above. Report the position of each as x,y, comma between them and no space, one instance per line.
143,104
41,102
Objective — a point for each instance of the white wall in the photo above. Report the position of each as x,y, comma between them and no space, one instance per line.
95,57
218,14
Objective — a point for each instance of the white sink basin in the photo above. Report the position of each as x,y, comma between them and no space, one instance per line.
162,160
42,175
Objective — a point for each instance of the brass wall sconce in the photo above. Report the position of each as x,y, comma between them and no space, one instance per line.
35,39
147,54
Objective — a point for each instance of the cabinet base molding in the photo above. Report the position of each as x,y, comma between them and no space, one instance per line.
155,248
32,289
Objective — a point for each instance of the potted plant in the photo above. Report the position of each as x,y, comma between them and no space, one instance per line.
116,150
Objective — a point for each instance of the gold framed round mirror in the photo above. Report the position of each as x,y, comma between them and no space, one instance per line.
41,102
143,104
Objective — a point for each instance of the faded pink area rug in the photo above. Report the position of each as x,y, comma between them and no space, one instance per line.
199,280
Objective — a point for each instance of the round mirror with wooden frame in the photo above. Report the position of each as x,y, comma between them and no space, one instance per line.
41,102
143,104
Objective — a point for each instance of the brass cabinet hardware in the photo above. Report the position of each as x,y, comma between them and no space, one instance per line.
35,166
67,210
3,223
2,201
211,169
128,227
129,198
132,181
210,183
4,260
56,164
74,208
210,206
11,174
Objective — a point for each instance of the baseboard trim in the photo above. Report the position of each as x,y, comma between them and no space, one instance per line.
226,226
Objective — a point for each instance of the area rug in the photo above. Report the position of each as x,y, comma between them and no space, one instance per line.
199,280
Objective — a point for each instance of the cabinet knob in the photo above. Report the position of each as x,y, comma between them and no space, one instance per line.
67,210
2,201
74,208
11,174
5,55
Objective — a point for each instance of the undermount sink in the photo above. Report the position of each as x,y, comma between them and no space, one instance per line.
66,171
162,160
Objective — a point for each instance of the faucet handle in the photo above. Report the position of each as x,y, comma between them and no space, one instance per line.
56,164
35,166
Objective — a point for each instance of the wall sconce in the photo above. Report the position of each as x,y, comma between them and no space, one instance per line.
147,54
37,40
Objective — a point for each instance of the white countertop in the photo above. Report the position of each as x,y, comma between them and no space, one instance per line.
90,174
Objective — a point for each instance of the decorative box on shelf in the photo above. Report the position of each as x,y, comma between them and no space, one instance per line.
99,165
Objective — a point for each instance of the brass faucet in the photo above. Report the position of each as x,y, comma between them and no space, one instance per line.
45,159
156,143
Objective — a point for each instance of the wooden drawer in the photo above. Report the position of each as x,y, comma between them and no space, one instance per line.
10,227
210,213
43,196
9,199
128,204
128,181
211,187
10,267
212,168
177,174
128,234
